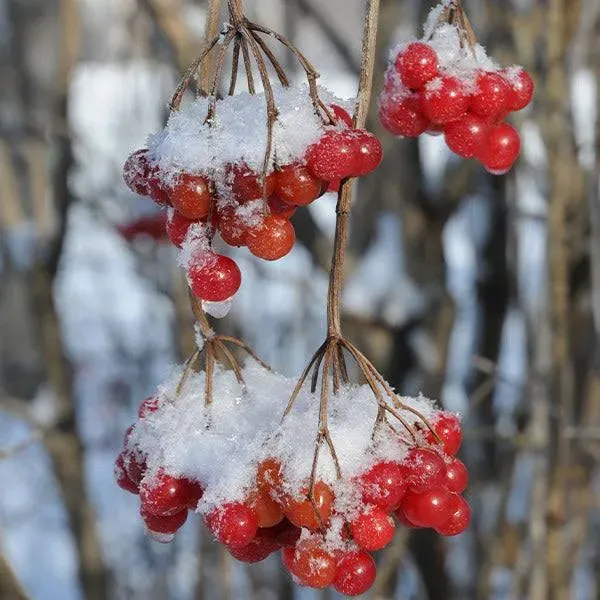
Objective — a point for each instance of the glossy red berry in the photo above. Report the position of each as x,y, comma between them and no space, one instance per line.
166,495
148,406
288,553
426,469
457,476
167,524
521,88
277,207
460,517
501,149
466,136
191,197
269,476
234,524
272,239
296,185
356,572
417,64
143,177
369,152
404,117
246,184
213,277
121,477
403,519
301,511
448,430
333,157
268,511
233,226
444,100
428,509
285,533
373,530
313,565
341,114
177,228
258,549
135,465
384,485
490,99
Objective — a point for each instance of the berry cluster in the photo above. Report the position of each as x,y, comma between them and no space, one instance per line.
230,199
432,87
325,539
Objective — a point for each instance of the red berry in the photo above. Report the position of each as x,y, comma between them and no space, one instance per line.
287,557
164,524
384,485
269,476
457,476
246,184
135,465
445,100
295,184
191,197
232,226
521,88
167,495
373,530
334,186
333,157
501,149
280,208
213,277
148,406
313,565
417,64
460,516
447,427
404,118
491,98
342,115
123,480
356,572
403,519
258,549
369,152
268,511
429,509
143,178
233,524
301,512
272,239
427,469
285,533
177,228
466,136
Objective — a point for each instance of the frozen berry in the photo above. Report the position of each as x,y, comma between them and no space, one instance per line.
280,208
356,572
167,495
135,465
233,226
429,509
213,277
427,469
148,406
369,152
269,477
491,96
342,115
445,100
404,117
384,485
257,550
333,157
457,476
164,524
466,136
521,88
123,480
191,197
448,430
272,239
177,228
268,511
460,516
246,184
417,64
143,177
303,513
373,530
501,149
313,565
233,524
296,185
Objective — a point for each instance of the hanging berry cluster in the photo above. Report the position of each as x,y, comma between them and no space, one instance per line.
221,167
249,474
446,84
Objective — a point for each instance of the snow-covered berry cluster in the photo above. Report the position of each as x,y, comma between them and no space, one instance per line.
252,476
444,84
209,173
